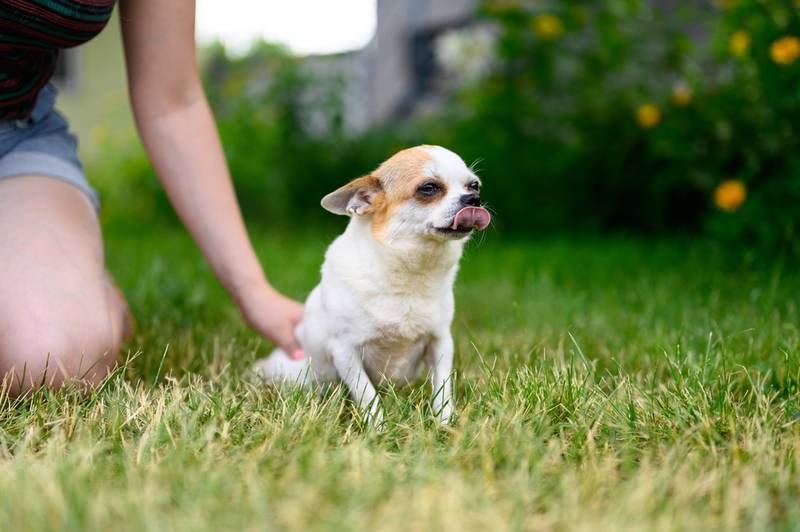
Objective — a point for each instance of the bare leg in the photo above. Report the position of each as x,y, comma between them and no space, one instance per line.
440,353
61,317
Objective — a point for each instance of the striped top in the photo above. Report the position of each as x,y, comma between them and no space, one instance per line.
31,34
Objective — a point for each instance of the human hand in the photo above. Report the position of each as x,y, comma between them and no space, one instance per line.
274,316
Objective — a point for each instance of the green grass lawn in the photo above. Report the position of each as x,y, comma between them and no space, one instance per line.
613,384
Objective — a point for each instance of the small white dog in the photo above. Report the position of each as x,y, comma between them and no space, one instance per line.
384,306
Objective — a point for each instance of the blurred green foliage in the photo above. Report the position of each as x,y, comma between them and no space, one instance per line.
621,115
595,116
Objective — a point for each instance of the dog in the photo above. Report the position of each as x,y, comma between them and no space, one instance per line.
385,304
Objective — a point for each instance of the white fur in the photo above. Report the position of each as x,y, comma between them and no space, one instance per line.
384,307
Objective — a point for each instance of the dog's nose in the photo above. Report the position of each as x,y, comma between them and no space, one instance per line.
473,200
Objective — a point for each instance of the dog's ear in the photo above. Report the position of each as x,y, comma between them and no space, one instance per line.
355,198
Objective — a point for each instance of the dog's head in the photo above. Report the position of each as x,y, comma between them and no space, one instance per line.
425,191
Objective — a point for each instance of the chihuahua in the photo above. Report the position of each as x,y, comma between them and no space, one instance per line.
384,306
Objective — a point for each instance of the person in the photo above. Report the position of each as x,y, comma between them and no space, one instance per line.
61,316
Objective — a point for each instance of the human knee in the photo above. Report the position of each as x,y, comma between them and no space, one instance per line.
33,355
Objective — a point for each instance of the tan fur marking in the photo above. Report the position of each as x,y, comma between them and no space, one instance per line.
400,175
382,210
393,182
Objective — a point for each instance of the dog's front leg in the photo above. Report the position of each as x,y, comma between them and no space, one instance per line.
440,356
351,370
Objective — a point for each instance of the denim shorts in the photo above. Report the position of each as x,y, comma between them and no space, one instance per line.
42,145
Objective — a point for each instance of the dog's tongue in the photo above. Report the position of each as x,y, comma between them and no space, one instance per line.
472,218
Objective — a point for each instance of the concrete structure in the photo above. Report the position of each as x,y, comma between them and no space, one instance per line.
401,56
395,73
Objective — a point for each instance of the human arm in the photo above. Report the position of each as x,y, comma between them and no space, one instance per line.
180,136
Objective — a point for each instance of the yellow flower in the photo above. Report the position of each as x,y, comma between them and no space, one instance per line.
730,194
681,94
547,26
739,44
785,50
648,115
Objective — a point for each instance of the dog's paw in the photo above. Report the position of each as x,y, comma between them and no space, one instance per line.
374,417
279,368
445,415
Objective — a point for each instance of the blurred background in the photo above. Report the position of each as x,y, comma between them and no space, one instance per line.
642,117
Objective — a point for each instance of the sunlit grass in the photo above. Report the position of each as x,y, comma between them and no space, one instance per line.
601,384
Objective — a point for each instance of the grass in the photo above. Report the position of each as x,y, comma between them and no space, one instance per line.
614,384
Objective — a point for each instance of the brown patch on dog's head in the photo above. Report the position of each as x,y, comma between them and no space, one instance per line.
401,176
403,172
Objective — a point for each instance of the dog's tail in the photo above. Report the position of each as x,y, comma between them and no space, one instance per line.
278,368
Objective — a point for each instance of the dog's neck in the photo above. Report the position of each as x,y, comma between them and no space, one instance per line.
413,262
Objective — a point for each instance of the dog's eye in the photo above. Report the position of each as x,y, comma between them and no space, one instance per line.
429,189
474,186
